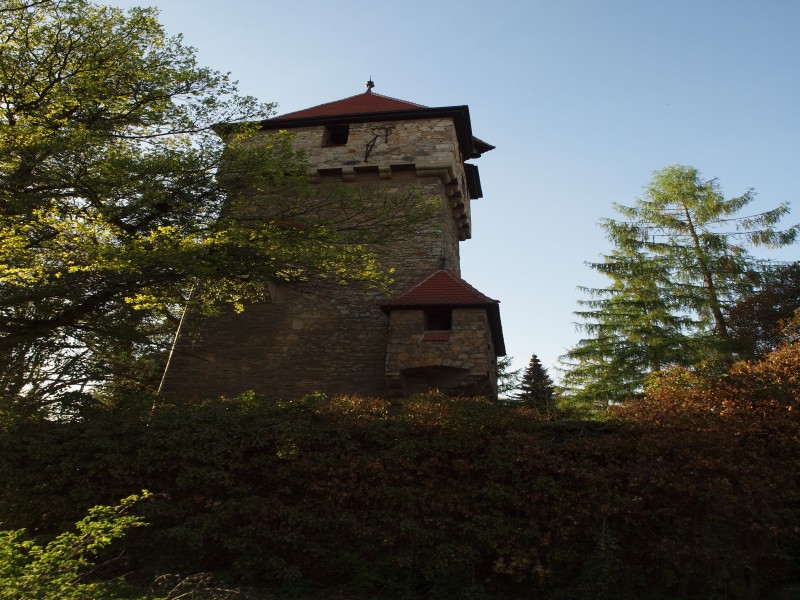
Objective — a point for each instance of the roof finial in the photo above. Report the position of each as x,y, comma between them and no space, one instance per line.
443,263
370,84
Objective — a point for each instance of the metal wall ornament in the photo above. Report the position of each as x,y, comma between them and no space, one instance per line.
377,133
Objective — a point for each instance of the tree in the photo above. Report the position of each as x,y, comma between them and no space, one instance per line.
679,263
536,387
633,327
507,380
111,212
756,323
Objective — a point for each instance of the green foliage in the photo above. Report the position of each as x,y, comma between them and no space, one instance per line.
536,387
112,217
106,187
692,492
507,380
679,263
61,570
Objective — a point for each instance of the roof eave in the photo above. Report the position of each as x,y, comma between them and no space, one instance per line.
388,306
496,328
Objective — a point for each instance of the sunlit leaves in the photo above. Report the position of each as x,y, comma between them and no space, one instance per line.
62,569
111,213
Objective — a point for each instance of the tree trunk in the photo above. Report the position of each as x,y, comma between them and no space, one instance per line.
716,310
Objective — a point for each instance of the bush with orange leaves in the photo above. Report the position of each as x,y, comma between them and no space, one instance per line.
730,445
757,394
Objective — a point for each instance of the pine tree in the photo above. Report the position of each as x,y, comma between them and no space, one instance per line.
536,387
678,265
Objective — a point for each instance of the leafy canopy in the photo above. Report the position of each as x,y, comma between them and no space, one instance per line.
757,323
111,212
507,378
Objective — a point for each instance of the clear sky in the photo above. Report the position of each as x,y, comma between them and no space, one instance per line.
584,100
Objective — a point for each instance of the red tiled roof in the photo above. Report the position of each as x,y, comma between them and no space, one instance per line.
442,288
363,108
368,102
445,288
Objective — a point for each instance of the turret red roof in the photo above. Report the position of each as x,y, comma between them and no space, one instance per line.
443,287
368,102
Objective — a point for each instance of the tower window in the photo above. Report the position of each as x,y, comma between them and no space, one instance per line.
438,319
336,135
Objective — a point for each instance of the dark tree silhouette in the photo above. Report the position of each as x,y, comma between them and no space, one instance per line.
756,323
536,387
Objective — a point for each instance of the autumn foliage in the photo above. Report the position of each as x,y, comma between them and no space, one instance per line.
693,492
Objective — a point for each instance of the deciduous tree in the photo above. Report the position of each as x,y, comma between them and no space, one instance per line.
757,322
110,208
507,379
62,569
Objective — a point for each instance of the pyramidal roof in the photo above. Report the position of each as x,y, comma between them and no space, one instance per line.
364,103
443,287
369,106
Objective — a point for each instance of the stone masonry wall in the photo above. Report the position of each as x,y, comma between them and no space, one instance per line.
335,340
430,145
425,141
461,362
296,344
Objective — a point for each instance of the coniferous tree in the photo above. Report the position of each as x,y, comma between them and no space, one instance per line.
507,379
536,387
679,263
633,327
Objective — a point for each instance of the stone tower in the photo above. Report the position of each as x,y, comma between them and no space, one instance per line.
433,331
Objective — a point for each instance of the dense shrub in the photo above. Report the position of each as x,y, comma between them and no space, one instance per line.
692,493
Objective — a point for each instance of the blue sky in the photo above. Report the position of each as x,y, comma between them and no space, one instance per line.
584,99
